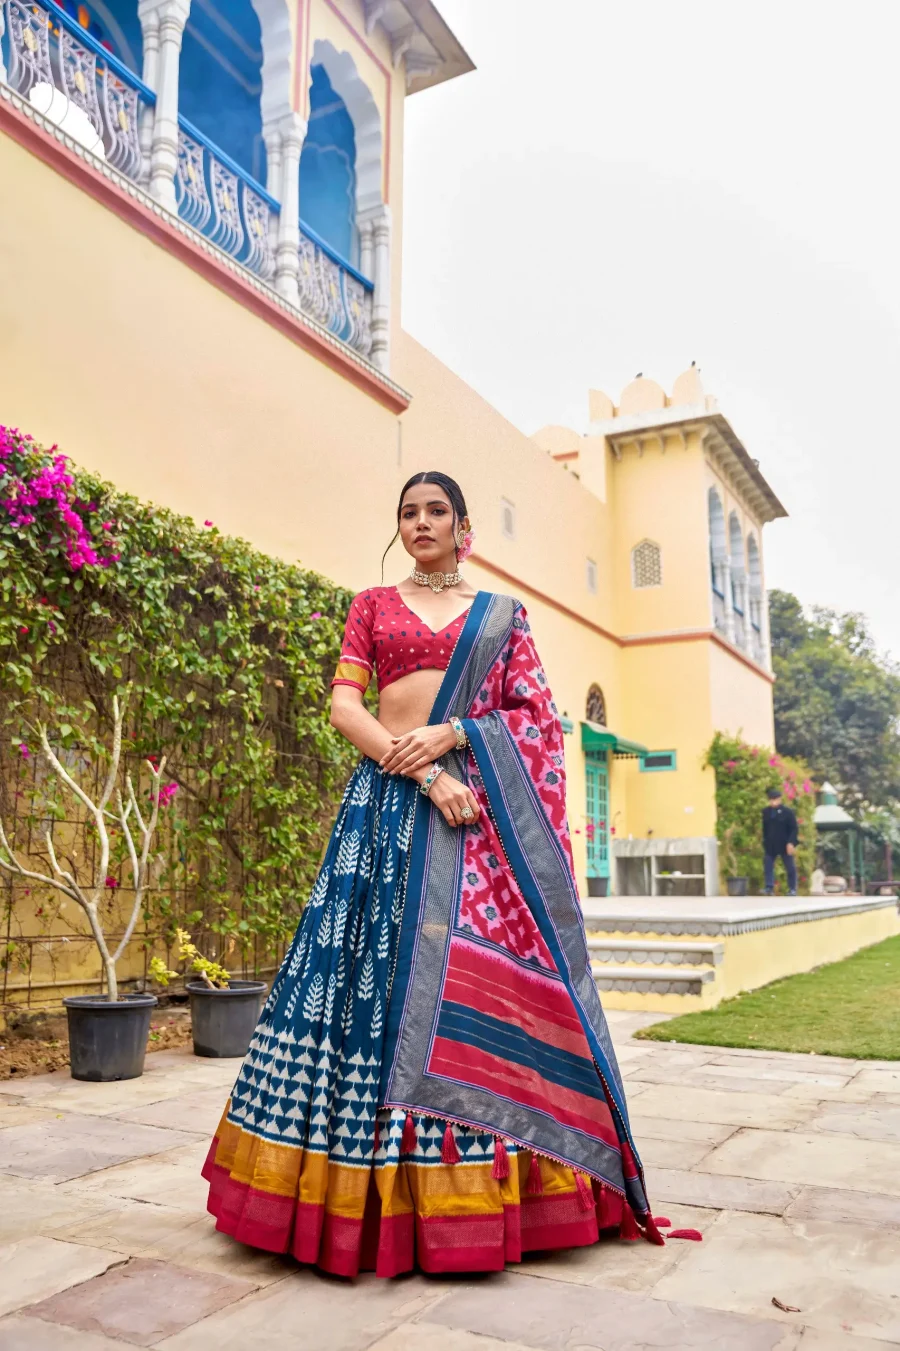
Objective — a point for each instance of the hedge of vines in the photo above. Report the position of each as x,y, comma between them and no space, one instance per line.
227,653
743,773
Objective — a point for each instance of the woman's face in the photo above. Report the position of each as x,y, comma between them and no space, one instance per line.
427,527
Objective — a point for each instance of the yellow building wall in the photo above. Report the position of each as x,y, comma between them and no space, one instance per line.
740,698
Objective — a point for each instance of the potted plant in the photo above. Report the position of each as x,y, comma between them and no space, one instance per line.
107,1032
737,886
224,1010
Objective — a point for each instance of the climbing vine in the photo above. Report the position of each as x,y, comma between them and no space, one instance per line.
227,653
743,773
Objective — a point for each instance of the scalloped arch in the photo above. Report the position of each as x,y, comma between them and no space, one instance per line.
347,81
277,47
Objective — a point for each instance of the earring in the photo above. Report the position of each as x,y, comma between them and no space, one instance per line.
460,538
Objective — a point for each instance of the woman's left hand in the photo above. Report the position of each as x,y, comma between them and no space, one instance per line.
418,748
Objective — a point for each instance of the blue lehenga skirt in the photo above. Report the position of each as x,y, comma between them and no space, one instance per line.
306,1161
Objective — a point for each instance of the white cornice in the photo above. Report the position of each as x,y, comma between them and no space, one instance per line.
418,33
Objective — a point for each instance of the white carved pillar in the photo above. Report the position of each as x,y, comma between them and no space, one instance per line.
366,247
725,574
764,640
2,26
379,219
171,16
150,30
292,133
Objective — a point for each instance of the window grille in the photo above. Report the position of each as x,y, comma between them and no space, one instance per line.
507,518
595,709
646,564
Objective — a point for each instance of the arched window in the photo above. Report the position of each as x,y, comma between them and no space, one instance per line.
595,709
755,598
738,577
328,168
646,564
220,80
718,553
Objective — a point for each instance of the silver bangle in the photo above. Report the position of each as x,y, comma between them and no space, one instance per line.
426,784
462,740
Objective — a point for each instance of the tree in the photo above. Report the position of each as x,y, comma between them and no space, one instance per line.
837,702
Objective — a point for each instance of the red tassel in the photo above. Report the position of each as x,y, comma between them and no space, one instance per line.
693,1234
449,1152
609,1209
628,1229
651,1233
377,1144
662,1222
500,1169
535,1184
408,1142
585,1195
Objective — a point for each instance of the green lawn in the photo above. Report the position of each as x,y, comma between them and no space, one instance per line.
851,1008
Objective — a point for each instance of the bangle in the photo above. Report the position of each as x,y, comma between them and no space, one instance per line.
434,771
462,740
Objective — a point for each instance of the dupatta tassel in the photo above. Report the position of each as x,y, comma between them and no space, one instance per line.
628,1229
585,1194
377,1142
449,1152
500,1169
408,1141
651,1232
535,1184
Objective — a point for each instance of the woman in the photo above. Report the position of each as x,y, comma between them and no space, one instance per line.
432,1080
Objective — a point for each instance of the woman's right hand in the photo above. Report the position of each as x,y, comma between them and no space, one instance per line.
451,797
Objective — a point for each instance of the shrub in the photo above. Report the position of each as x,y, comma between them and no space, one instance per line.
743,773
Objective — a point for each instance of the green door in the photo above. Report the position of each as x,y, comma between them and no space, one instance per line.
597,829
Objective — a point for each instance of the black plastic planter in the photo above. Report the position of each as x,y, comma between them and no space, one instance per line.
738,886
223,1021
598,886
108,1041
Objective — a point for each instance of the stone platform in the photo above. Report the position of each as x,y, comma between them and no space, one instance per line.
788,1164
674,955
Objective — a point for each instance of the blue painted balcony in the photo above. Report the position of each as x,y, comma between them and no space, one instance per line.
63,63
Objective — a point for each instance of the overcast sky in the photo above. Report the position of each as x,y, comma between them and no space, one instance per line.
625,187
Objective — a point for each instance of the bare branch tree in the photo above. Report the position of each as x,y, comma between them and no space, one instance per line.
137,843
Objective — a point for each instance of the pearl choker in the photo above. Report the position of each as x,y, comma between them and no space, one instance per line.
438,581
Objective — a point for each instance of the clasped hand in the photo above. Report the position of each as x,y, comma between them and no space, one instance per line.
418,748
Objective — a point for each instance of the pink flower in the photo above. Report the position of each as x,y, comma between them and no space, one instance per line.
754,751
807,786
731,765
112,883
774,761
24,751
109,525
207,523
465,548
316,614
23,628
167,793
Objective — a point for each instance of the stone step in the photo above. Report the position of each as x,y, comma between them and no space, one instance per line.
653,980
654,951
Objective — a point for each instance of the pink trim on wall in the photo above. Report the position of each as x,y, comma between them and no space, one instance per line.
156,228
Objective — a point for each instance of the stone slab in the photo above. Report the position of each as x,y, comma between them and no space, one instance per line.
71,1145
142,1302
838,1204
878,1081
764,1071
138,1229
657,1153
333,1315
432,1337
717,1192
169,1179
674,1128
23,1114
18,1332
724,1106
655,1072
621,1266
842,1277
866,1121
36,1267
813,1339
31,1207
803,1062
198,1111
553,1316
820,1160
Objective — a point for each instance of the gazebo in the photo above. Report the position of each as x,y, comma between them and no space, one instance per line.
832,820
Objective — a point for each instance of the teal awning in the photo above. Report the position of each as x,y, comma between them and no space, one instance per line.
597,738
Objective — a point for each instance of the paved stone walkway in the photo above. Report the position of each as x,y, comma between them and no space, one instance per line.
790,1165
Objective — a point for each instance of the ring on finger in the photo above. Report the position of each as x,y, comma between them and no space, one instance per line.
467,813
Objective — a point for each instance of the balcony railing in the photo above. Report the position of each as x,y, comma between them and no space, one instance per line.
72,79
59,68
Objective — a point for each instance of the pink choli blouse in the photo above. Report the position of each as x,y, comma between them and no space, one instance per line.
384,637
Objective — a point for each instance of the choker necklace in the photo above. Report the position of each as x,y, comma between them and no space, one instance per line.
438,581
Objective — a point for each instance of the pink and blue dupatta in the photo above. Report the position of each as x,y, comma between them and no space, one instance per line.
494,1019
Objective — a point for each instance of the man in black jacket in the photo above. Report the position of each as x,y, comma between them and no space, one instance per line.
779,825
